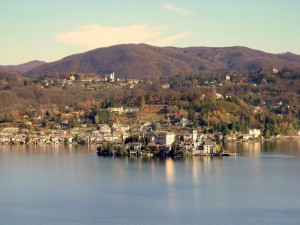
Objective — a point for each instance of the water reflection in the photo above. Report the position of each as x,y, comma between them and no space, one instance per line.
170,171
257,149
71,183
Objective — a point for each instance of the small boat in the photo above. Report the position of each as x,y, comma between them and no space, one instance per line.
228,154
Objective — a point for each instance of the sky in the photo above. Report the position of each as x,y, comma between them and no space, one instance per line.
49,30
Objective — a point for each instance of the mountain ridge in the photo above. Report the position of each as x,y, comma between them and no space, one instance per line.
146,61
23,68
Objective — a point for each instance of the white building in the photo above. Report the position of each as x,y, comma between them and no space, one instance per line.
166,86
209,147
109,77
255,133
183,122
275,71
194,136
118,110
104,129
219,96
10,130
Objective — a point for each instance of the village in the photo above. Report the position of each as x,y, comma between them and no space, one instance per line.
186,140
180,133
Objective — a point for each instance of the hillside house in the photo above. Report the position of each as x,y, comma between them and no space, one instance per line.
10,130
117,110
165,86
104,129
183,122
109,77
275,71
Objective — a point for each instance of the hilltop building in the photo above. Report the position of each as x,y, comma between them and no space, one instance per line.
109,77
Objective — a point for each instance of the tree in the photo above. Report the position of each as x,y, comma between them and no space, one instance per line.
267,134
72,123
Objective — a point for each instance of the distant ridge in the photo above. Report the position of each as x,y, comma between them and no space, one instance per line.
145,61
23,67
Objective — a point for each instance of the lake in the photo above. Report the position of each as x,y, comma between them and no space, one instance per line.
72,185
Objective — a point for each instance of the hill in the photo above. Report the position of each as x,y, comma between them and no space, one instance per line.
23,67
141,61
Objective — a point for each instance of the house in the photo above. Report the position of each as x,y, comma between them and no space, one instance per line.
183,122
4,138
151,137
121,110
275,71
257,110
104,129
120,127
219,96
10,130
165,138
245,137
165,86
255,133
134,147
209,147
117,110
72,77
131,110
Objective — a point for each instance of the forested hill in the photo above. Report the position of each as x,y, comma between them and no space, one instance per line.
145,61
22,68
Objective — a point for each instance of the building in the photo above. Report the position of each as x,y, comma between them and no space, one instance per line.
72,77
131,110
151,137
194,136
121,110
104,129
165,138
166,86
275,71
10,130
117,110
255,133
183,122
219,96
161,138
109,77
209,147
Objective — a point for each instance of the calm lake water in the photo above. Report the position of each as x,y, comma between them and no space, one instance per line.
72,185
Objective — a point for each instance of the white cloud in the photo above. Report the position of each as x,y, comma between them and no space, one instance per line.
177,9
95,36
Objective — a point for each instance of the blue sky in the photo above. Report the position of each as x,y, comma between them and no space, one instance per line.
52,29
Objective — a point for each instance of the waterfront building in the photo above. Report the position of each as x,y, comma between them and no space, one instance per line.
209,147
